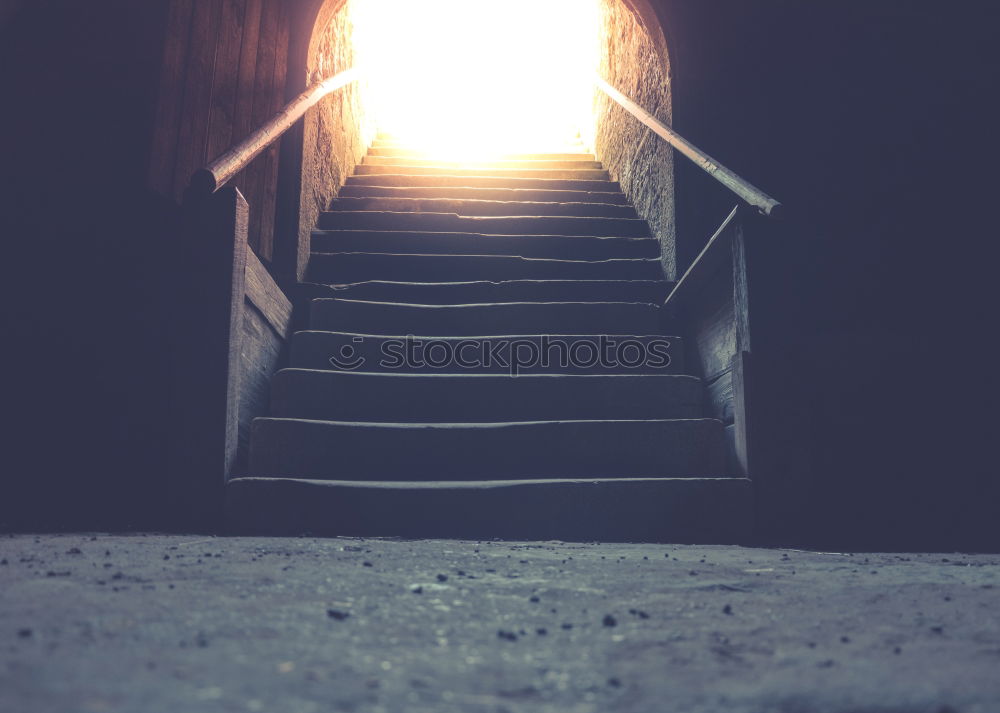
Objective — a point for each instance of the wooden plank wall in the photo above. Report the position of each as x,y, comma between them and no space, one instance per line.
224,72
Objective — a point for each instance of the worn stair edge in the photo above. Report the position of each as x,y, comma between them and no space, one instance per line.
593,174
565,184
337,268
484,208
486,291
479,398
379,353
540,195
574,163
611,318
328,450
495,225
552,247
661,510
400,152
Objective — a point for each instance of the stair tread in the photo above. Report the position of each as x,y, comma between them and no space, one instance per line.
400,152
480,398
492,291
501,225
335,268
539,195
307,332
409,170
603,185
575,163
580,247
315,448
611,318
705,510
483,208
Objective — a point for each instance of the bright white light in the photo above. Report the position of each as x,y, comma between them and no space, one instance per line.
477,78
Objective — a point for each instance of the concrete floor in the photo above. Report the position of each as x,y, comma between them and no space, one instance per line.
171,623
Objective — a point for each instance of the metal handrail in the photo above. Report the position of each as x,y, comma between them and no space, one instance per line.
744,189
212,177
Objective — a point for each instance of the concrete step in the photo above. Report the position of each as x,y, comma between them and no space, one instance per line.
455,293
400,152
568,247
621,318
486,194
483,208
458,181
486,147
595,174
475,165
338,268
521,354
478,398
451,223
331,450
668,510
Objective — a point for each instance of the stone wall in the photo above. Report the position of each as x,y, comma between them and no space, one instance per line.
337,133
633,62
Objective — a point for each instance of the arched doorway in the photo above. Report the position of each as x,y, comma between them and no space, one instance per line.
631,53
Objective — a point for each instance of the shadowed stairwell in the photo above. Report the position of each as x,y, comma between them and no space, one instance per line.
487,356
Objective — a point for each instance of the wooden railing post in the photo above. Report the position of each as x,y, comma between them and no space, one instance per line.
210,322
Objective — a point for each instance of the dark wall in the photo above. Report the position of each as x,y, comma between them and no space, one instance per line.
93,167
223,74
84,264
873,123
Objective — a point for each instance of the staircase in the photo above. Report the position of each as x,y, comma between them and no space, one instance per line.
374,432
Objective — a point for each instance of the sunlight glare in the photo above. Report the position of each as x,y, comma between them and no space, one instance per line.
478,78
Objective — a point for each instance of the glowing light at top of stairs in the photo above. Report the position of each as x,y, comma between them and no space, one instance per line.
473,79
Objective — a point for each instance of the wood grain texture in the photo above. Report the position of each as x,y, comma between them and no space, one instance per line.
170,96
225,77
190,150
264,294
261,355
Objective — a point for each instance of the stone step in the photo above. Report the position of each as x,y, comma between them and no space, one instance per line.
400,152
476,165
667,510
595,174
569,247
451,223
479,398
621,318
425,181
521,354
483,208
332,450
455,293
353,190
338,268
486,147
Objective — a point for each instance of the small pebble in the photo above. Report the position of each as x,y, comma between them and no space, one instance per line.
610,621
337,614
